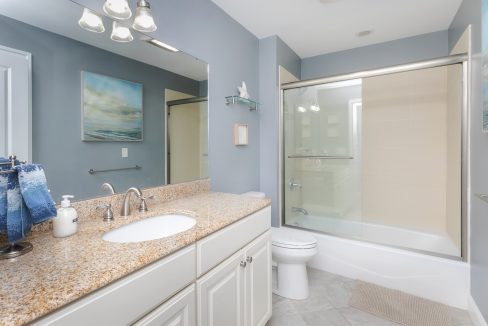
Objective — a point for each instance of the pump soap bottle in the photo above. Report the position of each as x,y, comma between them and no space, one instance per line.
66,222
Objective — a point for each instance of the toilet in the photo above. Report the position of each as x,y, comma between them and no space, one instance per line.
291,250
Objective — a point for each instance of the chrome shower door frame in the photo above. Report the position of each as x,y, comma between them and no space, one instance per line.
462,59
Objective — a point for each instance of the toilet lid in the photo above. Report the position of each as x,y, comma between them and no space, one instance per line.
287,238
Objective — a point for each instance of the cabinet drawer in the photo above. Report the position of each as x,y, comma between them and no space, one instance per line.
179,311
130,298
215,248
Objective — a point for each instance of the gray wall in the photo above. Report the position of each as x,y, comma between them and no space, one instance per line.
470,13
57,63
416,48
273,52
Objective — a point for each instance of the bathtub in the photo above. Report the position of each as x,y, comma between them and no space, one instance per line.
439,279
393,236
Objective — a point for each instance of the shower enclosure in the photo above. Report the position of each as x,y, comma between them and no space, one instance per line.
378,156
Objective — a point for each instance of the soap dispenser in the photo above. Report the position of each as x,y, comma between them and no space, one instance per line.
66,222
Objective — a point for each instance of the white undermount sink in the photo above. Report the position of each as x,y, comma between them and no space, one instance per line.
150,228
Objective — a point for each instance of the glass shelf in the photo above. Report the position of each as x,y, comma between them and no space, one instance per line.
253,105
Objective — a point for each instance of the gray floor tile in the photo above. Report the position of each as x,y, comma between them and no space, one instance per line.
360,318
329,317
339,293
328,305
317,301
283,306
286,320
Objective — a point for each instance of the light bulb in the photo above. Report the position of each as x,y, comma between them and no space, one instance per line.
315,108
91,21
144,21
120,33
118,9
302,109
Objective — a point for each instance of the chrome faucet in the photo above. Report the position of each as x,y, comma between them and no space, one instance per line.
108,187
125,211
299,210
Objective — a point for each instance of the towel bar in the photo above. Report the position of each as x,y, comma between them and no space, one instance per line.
137,167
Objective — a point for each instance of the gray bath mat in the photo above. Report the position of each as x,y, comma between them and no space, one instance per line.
398,306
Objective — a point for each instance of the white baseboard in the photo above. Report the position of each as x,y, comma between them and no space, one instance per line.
475,313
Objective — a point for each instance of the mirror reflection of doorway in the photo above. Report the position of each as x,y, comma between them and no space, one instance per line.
187,137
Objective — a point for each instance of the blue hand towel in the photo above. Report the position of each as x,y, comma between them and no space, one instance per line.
19,220
3,196
33,186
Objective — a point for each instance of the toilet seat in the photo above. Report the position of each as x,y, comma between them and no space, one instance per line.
281,237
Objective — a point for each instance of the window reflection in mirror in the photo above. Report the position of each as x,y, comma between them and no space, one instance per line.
101,105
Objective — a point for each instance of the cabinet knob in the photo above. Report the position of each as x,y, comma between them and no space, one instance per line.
249,259
243,264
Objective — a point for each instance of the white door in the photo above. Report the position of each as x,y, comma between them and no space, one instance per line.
15,103
258,281
220,294
179,311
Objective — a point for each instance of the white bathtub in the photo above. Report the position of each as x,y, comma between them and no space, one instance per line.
393,236
439,279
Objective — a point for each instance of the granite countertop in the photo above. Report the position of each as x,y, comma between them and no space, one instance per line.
61,270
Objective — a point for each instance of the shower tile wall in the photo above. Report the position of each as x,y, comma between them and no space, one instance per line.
411,151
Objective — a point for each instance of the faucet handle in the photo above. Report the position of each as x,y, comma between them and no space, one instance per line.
143,204
109,214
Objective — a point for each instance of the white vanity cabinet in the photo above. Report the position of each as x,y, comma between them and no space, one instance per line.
222,280
238,291
179,311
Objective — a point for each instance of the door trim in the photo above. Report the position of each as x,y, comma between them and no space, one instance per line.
27,147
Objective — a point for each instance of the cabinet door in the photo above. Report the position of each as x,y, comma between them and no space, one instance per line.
178,311
220,294
258,281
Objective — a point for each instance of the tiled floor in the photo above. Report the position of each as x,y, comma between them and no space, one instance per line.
328,305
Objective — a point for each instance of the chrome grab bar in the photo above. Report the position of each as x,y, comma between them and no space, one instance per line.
323,157
137,167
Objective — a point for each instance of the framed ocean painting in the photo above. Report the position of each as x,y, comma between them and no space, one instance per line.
485,64
111,109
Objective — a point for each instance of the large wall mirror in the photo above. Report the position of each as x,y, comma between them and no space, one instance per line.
127,113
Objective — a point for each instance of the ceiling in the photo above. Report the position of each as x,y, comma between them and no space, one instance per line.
314,27
61,17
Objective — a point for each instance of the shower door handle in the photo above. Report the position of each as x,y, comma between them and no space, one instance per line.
292,184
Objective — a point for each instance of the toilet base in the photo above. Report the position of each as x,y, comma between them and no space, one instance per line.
292,281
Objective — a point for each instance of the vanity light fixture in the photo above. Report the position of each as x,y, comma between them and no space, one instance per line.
120,33
301,109
118,9
144,21
91,21
163,46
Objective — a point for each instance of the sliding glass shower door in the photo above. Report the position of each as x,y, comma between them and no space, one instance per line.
377,159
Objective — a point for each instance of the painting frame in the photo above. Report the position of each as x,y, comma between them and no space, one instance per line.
119,136
484,66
